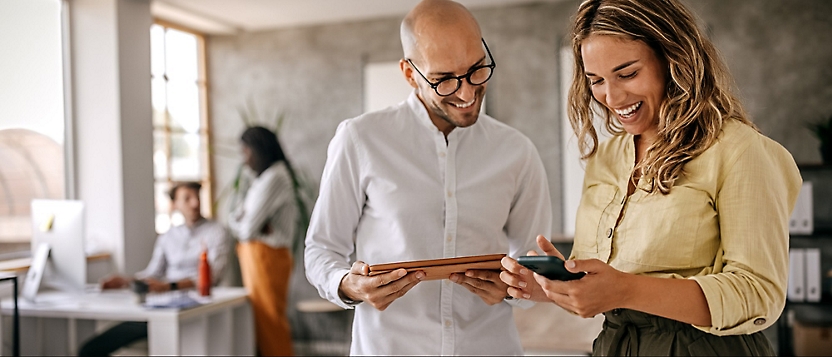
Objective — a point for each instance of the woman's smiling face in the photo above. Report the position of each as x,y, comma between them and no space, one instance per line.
627,77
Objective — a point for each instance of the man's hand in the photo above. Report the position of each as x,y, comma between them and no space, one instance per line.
156,286
378,290
521,281
485,283
115,282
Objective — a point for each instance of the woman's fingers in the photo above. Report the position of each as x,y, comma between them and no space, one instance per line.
547,247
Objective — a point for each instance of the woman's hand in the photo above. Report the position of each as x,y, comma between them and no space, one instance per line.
602,288
521,281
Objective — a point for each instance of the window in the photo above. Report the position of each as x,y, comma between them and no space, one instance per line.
180,122
32,119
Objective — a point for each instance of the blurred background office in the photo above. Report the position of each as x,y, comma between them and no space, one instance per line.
111,101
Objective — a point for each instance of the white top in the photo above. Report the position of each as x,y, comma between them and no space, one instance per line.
176,253
270,200
393,190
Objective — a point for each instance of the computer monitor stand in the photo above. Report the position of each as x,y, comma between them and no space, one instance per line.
35,273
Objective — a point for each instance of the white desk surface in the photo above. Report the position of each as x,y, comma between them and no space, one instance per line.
121,305
222,325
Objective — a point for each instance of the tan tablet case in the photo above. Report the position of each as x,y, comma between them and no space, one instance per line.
442,268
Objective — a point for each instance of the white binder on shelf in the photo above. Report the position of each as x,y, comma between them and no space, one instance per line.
813,275
802,219
797,272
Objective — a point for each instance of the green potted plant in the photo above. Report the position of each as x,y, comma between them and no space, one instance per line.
823,131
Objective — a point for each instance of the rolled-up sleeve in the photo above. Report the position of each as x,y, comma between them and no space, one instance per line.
747,291
330,238
158,264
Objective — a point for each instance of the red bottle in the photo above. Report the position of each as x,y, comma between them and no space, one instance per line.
204,283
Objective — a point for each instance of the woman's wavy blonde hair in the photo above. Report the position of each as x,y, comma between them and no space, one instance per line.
699,96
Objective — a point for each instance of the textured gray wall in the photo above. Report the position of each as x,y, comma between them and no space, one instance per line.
780,53
314,76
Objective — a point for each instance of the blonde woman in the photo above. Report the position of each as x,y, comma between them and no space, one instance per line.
682,227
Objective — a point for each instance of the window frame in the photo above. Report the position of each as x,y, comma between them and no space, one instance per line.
205,132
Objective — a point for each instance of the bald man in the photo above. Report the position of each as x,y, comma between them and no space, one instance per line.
431,177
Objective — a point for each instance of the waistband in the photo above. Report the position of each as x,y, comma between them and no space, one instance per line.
617,318
627,326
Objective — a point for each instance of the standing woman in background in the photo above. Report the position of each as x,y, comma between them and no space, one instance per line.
683,222
265,224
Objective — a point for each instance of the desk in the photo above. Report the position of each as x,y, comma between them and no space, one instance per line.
223,326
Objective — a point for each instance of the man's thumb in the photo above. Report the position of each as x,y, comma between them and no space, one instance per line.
360,268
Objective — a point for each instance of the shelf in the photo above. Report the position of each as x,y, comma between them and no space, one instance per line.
824,233
814,166
812,313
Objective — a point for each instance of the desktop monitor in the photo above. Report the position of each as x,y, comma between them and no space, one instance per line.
58,224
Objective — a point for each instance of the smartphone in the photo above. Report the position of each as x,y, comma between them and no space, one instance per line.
549,266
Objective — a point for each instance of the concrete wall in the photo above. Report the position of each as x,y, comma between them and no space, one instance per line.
314,76
780,53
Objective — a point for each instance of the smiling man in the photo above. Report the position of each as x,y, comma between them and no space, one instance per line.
431,177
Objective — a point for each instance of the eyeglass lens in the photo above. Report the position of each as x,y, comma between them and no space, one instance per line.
450,85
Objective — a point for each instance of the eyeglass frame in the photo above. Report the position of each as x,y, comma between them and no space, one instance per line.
466,76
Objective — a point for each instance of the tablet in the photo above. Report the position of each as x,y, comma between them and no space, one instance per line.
436,269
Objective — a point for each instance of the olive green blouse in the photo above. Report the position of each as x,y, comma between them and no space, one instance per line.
724,224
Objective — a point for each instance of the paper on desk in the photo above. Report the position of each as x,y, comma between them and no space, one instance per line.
174,300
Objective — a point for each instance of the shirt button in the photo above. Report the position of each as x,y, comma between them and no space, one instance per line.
448,323
450,238
441,154
450,194
609,232
759,321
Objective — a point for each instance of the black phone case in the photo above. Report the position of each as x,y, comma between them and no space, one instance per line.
549,266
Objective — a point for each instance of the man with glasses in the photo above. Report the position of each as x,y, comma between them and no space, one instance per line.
429,178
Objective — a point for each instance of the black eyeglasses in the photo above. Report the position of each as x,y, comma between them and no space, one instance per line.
476,76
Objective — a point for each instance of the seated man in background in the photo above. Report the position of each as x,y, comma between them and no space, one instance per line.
173,265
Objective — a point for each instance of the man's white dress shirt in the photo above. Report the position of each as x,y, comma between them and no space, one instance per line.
176,252
393,190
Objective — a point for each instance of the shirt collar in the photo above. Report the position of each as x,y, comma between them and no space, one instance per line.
421,114
196,225
420,111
